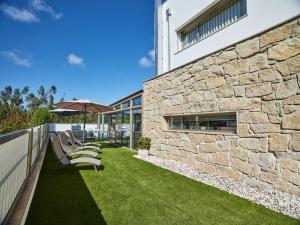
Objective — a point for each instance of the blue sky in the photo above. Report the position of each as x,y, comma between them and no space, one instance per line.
90,49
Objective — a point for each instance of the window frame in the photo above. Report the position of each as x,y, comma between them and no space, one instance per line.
182,128
203,18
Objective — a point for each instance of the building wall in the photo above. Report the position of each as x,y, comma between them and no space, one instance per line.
259,79
262,15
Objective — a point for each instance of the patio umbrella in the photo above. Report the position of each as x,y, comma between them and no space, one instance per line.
83,106
65,112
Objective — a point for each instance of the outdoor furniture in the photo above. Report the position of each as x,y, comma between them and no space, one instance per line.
63,139
75,142
72,152
64,161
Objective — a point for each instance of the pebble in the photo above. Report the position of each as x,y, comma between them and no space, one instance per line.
278,201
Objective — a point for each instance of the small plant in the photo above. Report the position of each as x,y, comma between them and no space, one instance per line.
144,143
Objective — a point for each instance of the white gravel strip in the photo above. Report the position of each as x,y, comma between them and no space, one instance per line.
270,198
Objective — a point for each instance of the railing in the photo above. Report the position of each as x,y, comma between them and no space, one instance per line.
18,153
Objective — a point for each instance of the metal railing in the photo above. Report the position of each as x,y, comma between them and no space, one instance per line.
18,154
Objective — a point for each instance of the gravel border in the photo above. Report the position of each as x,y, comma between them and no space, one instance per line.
270,198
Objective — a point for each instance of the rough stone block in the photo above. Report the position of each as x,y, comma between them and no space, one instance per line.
272,108
289,164
226,56
269,75
265,128
216,70
248,48
291,176
268,177
278,142
291,121
285,49
296,141
225,92
251,170
220,158
254,144
240,153
214,82
204,167
243,130
253,117
258,90
227,172
289,66
209,147
236,67
248,78
258,62
239,91
277,34
286,89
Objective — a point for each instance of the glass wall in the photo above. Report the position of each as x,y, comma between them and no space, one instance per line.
137,125
120,130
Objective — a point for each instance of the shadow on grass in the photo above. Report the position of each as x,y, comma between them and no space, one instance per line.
63,198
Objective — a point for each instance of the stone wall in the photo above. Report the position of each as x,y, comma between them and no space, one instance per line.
259,79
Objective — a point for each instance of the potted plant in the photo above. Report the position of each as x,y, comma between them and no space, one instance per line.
144,146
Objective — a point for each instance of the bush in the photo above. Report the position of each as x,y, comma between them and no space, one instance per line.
144,143
40,116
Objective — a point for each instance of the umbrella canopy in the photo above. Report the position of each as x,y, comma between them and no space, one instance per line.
83,106
65,112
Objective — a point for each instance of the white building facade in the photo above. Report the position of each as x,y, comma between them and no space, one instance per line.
190,29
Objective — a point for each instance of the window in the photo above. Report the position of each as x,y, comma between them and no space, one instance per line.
212,21
125,105
137,101
116,107
220,122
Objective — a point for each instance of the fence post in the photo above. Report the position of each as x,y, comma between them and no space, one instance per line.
29,153
39,139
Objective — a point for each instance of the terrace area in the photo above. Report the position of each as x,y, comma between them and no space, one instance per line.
127,190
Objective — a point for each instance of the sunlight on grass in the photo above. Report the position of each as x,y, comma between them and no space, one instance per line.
130,191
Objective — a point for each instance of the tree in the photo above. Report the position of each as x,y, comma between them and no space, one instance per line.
52,91
14,101
40,116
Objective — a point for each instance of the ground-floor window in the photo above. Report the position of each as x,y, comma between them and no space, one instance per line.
215,122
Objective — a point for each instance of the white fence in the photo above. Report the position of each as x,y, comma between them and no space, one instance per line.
90,128
18,153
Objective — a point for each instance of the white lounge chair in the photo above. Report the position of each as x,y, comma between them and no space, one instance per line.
63,139
64,161
75,142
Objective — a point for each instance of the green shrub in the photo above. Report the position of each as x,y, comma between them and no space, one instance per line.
144,143
40,116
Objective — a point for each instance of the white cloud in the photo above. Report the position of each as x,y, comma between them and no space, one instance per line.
42,6
148,61
145,62
75,60
22,15
151,53
17,58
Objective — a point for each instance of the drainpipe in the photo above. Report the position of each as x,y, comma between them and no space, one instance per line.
168,15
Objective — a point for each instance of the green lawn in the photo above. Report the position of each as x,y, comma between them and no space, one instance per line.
129,191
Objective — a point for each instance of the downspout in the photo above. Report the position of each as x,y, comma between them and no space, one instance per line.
168,15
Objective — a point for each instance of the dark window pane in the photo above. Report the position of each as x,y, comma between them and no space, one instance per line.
137,101
215,122
176,123
126,105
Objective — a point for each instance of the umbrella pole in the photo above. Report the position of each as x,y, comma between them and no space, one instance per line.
84,121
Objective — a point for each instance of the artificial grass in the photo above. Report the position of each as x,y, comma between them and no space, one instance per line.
130,191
